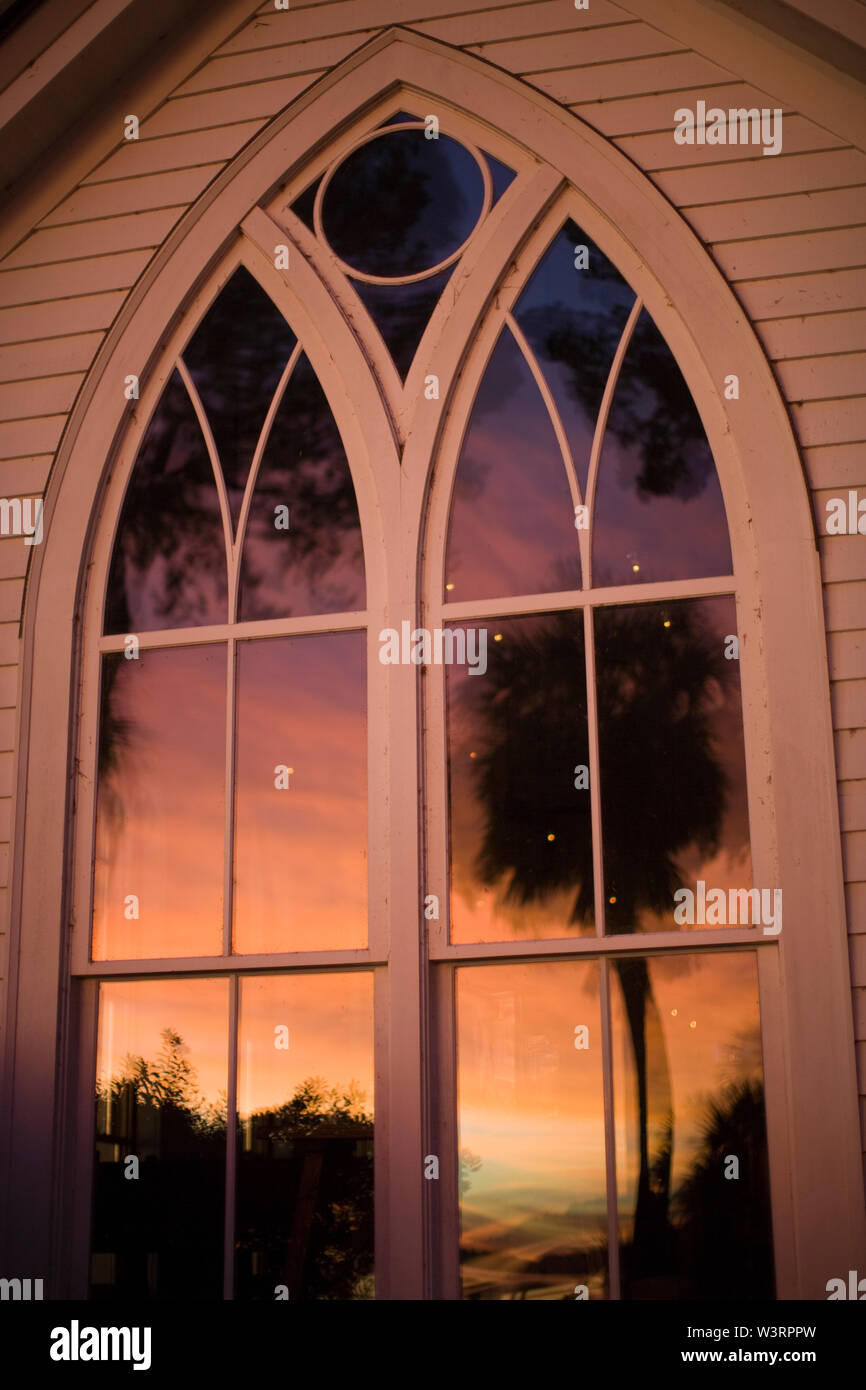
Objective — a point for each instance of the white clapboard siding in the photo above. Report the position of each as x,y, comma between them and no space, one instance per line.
766,176
831,422
25,476
788,296
93,202
39,397
822,378
67,279
20,438
815,334
483,27
849,702
845,606
797,251
107,236
57,320
659,151
48,356
797,212
508,19
670,73
288,60
645,114
852,801
186,150
250,101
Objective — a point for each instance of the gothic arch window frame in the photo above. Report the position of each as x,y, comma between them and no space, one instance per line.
778,583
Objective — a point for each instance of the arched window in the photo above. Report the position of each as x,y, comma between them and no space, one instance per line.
611,1135
580,620
431,796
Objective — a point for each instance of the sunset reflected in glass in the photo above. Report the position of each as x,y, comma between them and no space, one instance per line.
531,1142
160,818
161,1082
521,832
689,1094
512,517
304,1217
301,847
673,763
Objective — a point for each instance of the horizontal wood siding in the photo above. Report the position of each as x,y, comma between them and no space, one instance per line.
787,231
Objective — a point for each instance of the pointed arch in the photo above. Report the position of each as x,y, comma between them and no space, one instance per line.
786,693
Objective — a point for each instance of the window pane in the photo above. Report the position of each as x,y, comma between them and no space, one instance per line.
169,564
401,203
402,312
301,832
574,320
659,512
692,1178
520,829
512,518
302,550
160,819
533,1204
305,1157
673,770
236,357
161,1100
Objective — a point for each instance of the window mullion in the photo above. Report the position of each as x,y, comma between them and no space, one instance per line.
601,425
613,1274
231,1142
228,866
594,772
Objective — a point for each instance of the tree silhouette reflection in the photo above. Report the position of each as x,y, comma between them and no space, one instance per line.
664,791
304,1190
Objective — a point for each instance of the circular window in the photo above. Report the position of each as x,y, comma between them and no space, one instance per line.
401,206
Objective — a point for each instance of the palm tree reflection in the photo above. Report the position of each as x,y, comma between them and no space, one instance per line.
664,792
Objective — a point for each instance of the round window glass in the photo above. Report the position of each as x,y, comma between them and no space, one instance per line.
401,204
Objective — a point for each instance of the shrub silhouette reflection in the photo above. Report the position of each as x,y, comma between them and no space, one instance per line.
304,1191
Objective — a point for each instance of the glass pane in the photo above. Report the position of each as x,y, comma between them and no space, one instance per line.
673,768
659,512
303,551
305,203
169,564
573,319
402,312
531,1144
161,1101
236,357
500,175
518,766
160,818
692,1177
401,203
512,518
301,794
401,118
305,1141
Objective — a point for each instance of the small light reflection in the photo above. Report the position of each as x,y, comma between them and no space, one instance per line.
551,837
449,587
